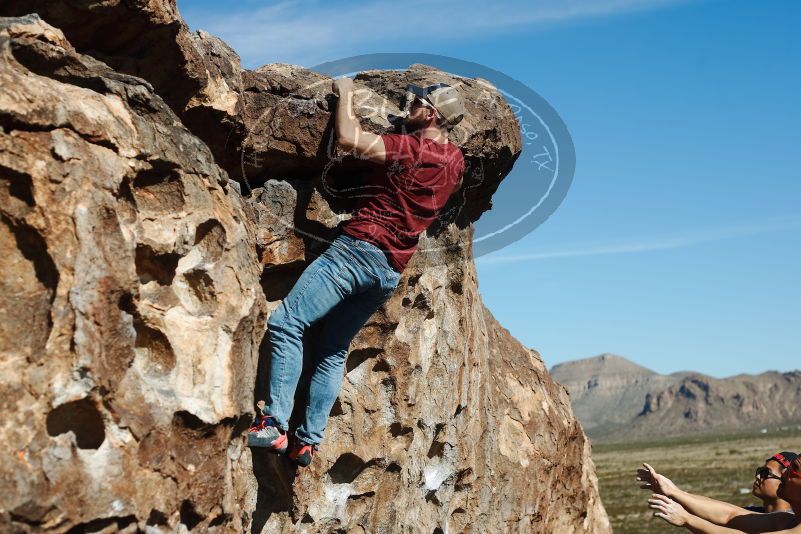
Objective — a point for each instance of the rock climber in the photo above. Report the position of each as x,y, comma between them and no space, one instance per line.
416,173
708,516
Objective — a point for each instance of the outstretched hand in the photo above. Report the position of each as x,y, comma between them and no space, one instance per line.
654,482
668,509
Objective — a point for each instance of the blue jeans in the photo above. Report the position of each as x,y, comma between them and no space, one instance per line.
345,285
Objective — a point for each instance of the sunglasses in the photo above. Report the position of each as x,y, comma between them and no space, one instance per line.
420,102
765,473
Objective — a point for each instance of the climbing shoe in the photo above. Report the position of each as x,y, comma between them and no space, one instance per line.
264,432
301,452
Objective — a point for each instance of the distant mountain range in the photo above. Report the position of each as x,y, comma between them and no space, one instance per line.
617,400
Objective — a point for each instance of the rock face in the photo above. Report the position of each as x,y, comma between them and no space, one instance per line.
535,424
144,38
697,403
137,285
446,416
130,304
274,122
616,400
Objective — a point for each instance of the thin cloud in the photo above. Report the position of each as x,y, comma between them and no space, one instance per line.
310,32
648,245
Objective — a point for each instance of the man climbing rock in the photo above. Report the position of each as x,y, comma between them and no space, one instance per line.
416,174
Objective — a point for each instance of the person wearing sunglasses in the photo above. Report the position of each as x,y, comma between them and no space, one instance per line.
766,483
415,173
707,516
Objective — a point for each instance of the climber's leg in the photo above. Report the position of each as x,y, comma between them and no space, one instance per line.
338,329
317,290
324,283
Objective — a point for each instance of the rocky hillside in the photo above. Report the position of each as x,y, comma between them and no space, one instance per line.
616,399
607,391
140,268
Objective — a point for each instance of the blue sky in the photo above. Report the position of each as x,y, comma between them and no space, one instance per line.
678,243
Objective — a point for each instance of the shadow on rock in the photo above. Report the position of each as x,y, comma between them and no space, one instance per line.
275,476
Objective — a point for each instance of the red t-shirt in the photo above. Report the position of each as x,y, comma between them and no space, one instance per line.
403,197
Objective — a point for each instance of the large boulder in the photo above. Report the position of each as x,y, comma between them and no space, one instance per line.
130,308
144,38
196,74
138,282
445,423
274,122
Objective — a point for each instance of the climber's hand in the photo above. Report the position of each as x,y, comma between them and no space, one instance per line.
668,509
653,481
342,85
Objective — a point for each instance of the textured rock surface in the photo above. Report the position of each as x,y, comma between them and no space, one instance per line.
196,74
286,129
616,400
448,417
145,38
701,404
130,305
135,301
274,122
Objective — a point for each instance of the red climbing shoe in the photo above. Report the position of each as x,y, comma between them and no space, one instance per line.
265,433
301,452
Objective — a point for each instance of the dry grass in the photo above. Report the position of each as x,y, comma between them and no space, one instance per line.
721,467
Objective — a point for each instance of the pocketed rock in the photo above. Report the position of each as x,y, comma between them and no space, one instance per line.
196,74
130,306
144,38
132,314
445,423
286,130
275,122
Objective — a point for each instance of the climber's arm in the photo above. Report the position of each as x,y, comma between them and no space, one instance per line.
350,135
